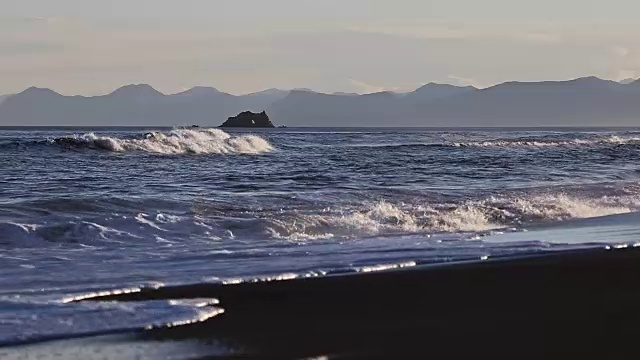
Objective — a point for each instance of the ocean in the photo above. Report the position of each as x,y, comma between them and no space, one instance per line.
87,212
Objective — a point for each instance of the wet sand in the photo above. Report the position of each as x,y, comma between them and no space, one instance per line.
580,302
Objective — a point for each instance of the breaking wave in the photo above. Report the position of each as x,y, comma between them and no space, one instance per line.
179,141
477,216
546,142
543,141
382,218
215,141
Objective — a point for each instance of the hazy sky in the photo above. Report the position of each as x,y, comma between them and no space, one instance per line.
91,47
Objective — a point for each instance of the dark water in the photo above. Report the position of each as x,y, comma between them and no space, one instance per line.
83,212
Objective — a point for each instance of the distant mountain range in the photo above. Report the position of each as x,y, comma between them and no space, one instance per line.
581,102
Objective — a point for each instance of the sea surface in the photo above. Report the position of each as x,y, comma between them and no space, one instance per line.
91,211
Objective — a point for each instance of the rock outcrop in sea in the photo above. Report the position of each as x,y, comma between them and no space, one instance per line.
249,119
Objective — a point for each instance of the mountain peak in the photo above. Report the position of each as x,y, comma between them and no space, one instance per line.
39,91
589,80
434,91
433,86
583,82
200,91
138,90
303,90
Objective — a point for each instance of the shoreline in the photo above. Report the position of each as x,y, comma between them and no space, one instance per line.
577,301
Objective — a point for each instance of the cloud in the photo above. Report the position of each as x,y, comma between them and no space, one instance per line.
542,38
620,51
467,81
27,48
625,62
537,35
49,20
422,32
627,74
37,19
362,87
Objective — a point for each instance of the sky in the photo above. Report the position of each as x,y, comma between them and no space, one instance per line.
240,46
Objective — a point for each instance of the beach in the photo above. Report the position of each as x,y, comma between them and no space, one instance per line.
576,302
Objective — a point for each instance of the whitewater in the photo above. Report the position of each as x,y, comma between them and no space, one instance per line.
97,211
180,141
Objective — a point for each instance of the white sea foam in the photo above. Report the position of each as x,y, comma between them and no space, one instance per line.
383,267
474,217
384,218
17,232
92,318
541,142
179,141
158,228
558,207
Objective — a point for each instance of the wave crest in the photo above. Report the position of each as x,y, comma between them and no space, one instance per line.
542,142
383,218
180,141
477,216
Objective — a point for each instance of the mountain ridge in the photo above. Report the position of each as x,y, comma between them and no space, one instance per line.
577,102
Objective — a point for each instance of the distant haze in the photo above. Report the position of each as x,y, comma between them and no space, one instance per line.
243,46
588,101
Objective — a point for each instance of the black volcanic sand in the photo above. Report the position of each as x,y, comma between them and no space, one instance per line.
580,302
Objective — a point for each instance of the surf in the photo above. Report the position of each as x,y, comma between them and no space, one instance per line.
173,142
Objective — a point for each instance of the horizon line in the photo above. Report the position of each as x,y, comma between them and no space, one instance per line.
288,128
